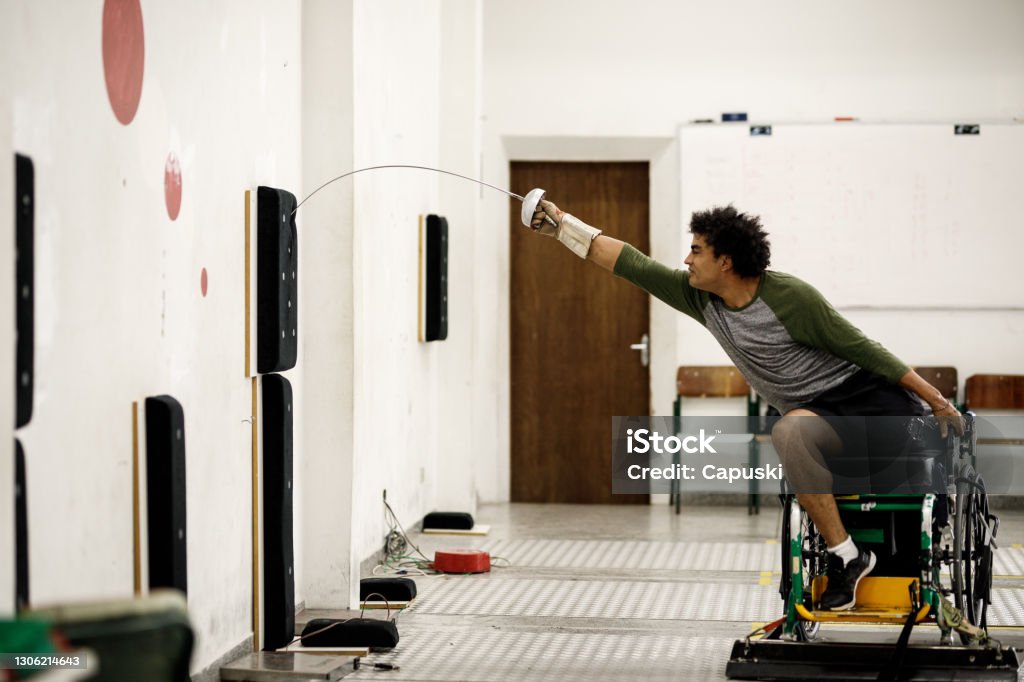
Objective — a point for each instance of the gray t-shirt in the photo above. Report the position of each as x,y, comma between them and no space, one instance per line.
789,343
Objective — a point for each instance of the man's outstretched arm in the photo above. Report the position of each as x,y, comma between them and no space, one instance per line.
667,284
605,251
582,239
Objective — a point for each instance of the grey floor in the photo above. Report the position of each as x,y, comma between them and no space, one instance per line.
624,593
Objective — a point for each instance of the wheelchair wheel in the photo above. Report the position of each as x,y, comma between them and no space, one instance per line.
972,550
798,528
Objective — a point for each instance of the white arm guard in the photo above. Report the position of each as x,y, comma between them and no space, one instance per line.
576,234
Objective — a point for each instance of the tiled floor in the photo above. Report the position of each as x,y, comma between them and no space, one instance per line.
623,593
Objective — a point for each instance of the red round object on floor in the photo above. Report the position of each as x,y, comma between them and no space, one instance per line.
462,561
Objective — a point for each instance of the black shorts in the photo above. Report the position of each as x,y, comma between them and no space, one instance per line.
872,418
866,394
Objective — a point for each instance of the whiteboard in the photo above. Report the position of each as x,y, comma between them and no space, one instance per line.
878,215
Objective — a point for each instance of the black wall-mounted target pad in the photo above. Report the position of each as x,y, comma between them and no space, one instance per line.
278,548
277,275
20,529
25,200
165,490
436,279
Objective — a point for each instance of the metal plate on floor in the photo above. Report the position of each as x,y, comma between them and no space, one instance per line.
277,667
705,556
1007,607
602,599
434,654
636,600
1008,561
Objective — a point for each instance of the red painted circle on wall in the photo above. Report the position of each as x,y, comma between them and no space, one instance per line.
124,56
172,186
203,282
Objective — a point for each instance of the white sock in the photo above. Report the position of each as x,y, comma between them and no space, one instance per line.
847,550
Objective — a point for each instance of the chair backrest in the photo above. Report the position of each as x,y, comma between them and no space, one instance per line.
995,392
943,378
711,381
717,381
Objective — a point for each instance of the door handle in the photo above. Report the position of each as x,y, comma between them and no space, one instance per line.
644,348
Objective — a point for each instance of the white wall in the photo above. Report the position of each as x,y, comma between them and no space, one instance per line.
280,94
326,306
570,67
619,73
396,121
270,93
6,313
409,396
384,83
459,121
119,312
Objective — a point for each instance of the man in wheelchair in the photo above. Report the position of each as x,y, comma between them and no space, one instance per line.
792,347
842,441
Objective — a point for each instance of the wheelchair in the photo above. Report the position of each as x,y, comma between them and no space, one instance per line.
933,536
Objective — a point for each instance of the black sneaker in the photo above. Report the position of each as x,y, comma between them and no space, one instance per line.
841,593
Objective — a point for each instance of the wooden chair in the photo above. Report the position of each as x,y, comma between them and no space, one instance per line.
716,381
995,392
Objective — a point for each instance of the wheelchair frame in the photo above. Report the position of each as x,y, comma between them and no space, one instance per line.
954,561
888,600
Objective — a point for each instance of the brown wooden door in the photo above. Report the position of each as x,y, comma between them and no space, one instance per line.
572,324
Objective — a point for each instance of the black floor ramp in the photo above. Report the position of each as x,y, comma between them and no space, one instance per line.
387,589
351,632
784,660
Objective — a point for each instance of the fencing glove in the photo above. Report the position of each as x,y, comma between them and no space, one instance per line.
566,228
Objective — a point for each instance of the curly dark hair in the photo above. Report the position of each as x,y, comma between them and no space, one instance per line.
737,235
